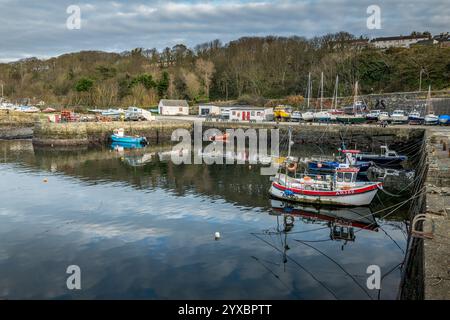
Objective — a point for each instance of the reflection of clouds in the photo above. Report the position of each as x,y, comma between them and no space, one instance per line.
124,233
153,243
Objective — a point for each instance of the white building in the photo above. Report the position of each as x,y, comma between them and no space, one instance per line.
398,42
249,113
173,107
209,110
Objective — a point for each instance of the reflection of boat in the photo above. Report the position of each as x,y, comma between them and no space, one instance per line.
360,217
119,137
125,145
387,158
169,155
139,160
223,137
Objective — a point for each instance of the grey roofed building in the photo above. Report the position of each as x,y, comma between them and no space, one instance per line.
174,103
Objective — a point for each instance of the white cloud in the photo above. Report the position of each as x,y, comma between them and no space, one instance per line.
38,28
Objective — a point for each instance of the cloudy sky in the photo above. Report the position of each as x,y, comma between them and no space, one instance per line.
39,28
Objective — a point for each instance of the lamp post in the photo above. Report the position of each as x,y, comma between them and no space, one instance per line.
420,81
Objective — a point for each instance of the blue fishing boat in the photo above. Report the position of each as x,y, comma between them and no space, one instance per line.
119,137
331,166
415,117
348,159
444,120
387,158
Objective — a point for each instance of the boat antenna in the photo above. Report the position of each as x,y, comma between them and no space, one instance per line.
355,98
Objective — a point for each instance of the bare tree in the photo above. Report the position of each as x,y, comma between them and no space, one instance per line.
206,69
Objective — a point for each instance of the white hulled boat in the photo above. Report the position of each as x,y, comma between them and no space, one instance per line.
340,188
399,116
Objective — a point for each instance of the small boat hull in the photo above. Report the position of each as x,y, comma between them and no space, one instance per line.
128,140
308,116
126,146
399,119
416,120
362,196
431,120
444,120
381,160
331,166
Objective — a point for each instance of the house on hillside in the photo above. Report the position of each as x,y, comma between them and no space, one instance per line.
173,107
398,42
443,39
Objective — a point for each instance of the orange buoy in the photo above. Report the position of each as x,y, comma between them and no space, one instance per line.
292,167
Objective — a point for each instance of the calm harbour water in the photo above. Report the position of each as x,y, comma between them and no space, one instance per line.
147,232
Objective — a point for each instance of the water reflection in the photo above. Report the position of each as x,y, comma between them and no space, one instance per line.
141,227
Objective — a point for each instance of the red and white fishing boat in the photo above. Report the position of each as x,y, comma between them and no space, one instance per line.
340,189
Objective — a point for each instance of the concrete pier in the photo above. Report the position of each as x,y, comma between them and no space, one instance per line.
437,249
79,134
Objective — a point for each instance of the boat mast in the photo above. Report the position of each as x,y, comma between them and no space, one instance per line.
309,90
429,102
321,93
336,92
355,98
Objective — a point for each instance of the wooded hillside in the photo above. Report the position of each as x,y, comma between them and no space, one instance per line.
270,67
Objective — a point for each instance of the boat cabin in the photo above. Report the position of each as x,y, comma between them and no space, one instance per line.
346,176
388,153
